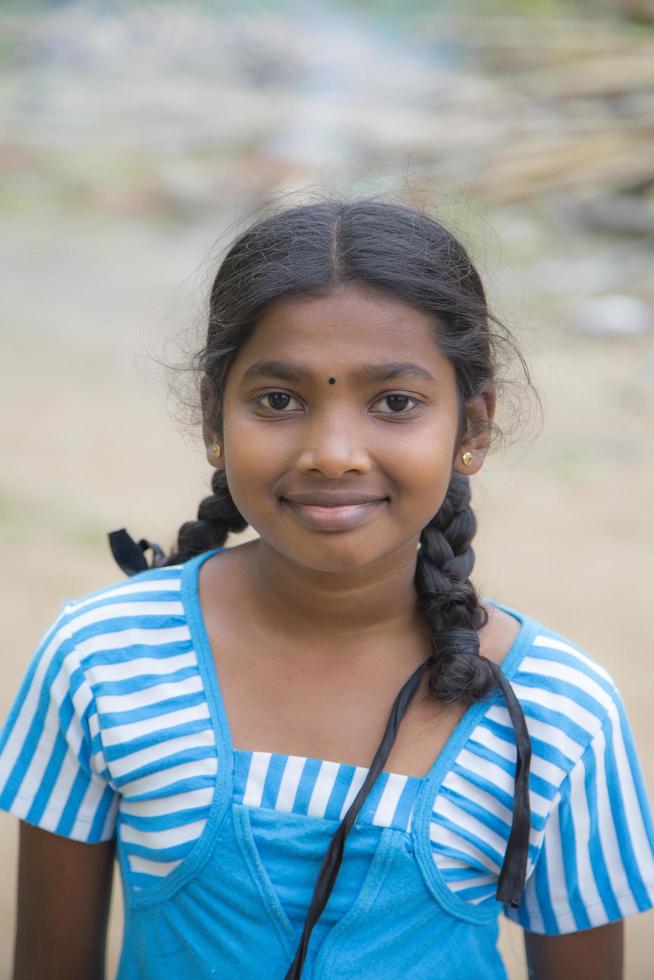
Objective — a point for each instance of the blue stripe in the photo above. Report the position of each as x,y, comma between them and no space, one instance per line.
273,779
406,803
166,821
557,720
136,650
477,842
73,803
306,784
622,831
181,786
595,852
102,810
477,891
52,770
150,623
543,896
148,739
339,791
115,718
565,689
162,765
570,870
175,853
142,682
569,660
539,748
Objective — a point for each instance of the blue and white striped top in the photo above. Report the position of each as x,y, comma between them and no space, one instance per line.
119,729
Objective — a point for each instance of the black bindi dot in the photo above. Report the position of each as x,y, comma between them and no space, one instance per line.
332,381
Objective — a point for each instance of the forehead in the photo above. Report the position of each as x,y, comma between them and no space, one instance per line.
342,329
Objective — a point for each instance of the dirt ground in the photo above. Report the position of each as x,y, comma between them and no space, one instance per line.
88,444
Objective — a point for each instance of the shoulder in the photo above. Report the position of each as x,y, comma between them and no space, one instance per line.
566,695
119,621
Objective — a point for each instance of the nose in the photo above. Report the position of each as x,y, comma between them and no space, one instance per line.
333,448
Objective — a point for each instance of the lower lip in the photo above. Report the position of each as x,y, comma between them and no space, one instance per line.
334,518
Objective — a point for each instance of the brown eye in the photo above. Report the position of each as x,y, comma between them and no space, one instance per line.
278,401
396,404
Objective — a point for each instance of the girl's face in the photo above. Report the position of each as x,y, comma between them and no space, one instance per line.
340,427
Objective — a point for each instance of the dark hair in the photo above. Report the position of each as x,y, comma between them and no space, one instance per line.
408,254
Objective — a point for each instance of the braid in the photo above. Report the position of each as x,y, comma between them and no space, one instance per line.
217,516
448,600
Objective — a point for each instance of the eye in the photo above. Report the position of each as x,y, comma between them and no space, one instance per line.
396,404
278,401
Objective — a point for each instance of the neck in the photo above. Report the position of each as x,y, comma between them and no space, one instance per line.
361,603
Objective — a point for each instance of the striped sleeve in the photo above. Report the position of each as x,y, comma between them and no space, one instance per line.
596,864
47,772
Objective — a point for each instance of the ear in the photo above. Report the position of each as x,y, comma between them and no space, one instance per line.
209,435
480,412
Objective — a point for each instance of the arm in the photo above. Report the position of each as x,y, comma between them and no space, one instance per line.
594,954
64,888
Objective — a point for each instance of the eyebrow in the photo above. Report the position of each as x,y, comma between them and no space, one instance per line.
285,371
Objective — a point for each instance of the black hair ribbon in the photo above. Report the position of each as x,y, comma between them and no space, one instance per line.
130,556
511,882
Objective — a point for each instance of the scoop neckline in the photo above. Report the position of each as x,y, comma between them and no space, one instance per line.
226,749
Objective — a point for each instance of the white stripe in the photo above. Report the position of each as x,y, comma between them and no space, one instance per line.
358,777
530,899
289,783
118,734
322,789
256,780
126,610
453,781
467,822
446,838
590,896
480,898
583,681
556,875
35,771
551,773
608,835
148,696
161,869
637,832
88,809
161,839
133,636
155,781
459,886
551,644
123,670
16,739
56,802
551,734
490,771
389,799
161,750
173,583
168,804
552,701
110,820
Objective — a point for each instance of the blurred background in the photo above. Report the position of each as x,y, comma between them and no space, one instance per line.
138,137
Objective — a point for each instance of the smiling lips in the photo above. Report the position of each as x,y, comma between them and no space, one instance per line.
332,511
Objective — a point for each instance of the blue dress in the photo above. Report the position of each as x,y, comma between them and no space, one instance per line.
119,729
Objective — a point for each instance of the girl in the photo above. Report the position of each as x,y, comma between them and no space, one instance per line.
214,718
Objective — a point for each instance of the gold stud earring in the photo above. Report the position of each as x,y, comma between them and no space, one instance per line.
467,458
216,450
